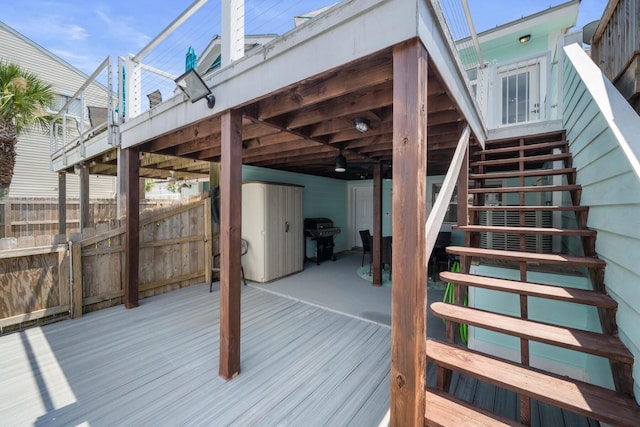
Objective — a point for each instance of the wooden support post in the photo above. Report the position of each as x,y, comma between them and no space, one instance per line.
84,197
409,290
377,226
62,203
76,286
121,200
132,227
230,245
462,186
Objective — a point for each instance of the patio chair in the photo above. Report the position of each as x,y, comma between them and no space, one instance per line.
440,259
386,252
366,247
243,250
155,98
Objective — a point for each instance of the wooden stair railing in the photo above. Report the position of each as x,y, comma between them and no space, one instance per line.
525,159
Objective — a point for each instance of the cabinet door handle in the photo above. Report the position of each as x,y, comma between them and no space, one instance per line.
286,226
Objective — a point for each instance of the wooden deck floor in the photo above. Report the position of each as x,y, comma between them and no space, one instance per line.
158,365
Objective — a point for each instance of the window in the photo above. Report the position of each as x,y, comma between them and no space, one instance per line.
74,108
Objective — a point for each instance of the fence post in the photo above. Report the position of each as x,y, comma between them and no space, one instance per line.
76,286
7,217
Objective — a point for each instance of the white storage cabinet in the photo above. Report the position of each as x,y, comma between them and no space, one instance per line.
272,223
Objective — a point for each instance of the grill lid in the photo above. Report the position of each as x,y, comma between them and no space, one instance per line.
317,223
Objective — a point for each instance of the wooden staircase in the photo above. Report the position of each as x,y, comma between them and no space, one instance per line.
519,162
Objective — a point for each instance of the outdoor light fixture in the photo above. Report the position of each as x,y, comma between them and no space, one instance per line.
195,88
341,164
361,124
524,39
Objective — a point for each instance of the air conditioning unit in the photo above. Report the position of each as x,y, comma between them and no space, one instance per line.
511,242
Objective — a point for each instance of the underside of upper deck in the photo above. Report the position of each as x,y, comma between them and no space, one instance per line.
300,95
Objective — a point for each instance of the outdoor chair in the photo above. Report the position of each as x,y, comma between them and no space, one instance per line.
386,252
243,250
366,247
439,259
155,98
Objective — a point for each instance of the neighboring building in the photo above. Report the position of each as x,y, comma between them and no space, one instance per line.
33,176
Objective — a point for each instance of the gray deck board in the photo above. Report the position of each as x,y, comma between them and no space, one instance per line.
301,364
158,364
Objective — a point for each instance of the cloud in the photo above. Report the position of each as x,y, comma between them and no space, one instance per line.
121,28
53,26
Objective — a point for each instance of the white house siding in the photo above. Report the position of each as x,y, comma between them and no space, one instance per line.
602,130
33,176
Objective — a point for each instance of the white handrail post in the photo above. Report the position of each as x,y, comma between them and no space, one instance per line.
232,31
132,87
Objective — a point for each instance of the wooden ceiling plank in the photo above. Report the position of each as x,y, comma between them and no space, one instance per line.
340,82
354,103
251,158
189,133
197,145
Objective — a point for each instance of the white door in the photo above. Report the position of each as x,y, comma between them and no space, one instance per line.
362,212
519,93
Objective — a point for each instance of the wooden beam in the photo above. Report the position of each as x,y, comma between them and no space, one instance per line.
132,226
409,293
62,203
377,225
230,246
347,79
353,103
192,132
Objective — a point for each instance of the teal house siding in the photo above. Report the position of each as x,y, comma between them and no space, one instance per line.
606,160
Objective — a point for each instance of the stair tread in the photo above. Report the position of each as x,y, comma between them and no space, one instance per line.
526,189
525,230
527,173
443,409
560,293
585,399
570,338
516,148
555,135
527,159
529,208
554,259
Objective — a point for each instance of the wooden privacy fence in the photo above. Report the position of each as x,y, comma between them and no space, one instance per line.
87,273
21,217
35,281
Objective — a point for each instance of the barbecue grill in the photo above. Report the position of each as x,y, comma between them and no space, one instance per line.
321,231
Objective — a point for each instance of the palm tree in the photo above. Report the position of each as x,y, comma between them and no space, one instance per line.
24,104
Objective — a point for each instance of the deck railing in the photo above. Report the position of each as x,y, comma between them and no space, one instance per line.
196,39
87,113
615,46
516,92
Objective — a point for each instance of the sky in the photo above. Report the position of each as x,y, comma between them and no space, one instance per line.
84,32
